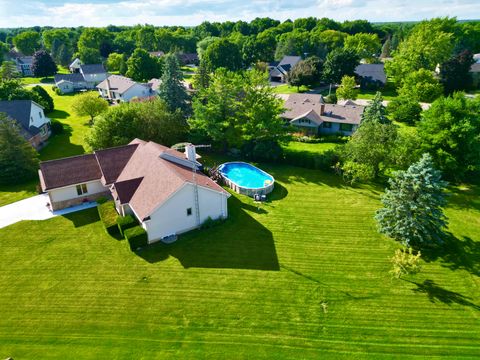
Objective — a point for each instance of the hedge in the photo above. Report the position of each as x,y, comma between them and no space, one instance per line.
125,222
109,216
136,237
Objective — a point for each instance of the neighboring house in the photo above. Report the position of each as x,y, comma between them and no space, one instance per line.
35,126
154,84
475,70
310,114
188,59
87,77
74,67
24,65
155,184
371,75
117,88
278,71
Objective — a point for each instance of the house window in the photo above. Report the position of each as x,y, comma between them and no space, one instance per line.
40,114
346,127
327,125
82,189
189,211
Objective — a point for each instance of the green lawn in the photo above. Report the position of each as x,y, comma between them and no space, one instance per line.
304,276
313,148
287,89
45,80
388,93
70,143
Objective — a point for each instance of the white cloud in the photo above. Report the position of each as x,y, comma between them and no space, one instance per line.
193,12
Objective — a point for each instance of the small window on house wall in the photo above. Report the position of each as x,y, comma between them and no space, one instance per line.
82,189
40,114
189,211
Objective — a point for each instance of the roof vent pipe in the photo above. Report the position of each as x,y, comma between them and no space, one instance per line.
190,153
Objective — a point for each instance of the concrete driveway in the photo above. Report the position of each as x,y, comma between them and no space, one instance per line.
34,208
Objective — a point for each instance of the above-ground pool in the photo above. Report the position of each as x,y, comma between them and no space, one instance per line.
246,179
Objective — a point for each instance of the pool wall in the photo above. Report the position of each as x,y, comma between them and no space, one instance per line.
245,190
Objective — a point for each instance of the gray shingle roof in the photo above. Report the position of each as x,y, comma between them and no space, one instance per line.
74,78
92,69
116,82
19,110
376,72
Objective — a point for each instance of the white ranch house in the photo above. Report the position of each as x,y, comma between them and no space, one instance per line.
117,88
155,184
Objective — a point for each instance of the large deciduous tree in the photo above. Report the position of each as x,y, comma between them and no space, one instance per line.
43,64
43,98
339,63
455,73
412,205
18,159
366,46
347,89
222,53
450,132
430,43
89,104
306,72
421,85
27,42
237,108
143,67
148,120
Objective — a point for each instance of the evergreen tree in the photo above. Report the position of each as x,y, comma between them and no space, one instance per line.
386,48
412,211
64,55
201,79
171,89
18,159
43,64
376,111
8,70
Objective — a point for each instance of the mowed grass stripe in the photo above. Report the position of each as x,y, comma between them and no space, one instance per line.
250,288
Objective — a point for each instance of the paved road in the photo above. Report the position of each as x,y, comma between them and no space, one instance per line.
34,208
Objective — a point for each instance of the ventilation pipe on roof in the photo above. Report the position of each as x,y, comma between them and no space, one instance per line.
190,153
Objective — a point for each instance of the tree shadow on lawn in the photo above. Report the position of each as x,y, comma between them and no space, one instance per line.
436,293
467,198
60,146
240,242
58,114
83,217
456,254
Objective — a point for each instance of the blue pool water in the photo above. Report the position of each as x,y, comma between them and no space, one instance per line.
245,175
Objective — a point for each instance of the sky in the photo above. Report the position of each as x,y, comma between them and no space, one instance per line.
24,13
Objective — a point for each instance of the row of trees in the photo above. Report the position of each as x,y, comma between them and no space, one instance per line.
449,130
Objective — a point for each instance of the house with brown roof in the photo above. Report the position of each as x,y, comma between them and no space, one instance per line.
118,88
159,186
312,116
